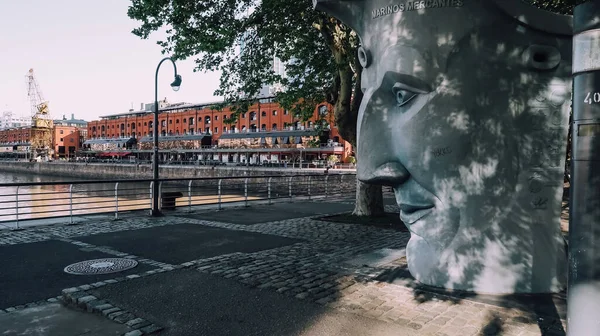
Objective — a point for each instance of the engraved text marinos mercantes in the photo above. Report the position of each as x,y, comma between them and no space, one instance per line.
415,5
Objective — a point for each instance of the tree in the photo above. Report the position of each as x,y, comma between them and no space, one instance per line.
241,38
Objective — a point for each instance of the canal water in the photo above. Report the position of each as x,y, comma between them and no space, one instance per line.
44,201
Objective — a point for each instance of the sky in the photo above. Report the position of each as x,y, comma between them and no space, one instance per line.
86,60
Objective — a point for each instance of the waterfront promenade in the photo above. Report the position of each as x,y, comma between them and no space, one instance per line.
289,268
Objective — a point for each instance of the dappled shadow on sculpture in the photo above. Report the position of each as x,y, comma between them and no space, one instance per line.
465,114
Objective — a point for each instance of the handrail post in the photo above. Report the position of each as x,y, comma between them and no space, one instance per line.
190,195
17,207
70,204
269,189
341,185
246,192
309,183
151,196
116,200
290,187
219,192
326,186
159,195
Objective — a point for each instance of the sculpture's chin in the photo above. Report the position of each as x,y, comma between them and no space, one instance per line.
423,261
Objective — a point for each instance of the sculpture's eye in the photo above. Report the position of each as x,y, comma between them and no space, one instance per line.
403,96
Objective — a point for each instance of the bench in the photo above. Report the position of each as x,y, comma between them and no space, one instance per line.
169,199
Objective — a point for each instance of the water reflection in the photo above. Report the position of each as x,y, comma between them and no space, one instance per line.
60,200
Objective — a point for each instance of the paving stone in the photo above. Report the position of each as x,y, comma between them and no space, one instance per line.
415,326
134,333
151,329
109,311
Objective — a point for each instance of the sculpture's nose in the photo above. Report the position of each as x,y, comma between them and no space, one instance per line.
378,160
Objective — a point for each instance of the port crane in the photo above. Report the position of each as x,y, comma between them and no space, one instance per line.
41,121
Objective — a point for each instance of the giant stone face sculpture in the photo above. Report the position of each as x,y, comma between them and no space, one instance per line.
465,114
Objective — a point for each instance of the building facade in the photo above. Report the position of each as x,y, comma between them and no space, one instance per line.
67,135
9,120
266,133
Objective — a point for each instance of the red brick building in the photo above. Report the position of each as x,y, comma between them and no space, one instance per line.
267,132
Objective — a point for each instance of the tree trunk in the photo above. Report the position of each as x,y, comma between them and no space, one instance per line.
369,200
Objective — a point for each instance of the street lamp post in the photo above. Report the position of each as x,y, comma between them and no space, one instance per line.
155,186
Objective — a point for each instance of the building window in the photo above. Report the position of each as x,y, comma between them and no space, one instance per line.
252,115
216,130
286,112
263,127
145,123
207,120
243,128
184,120
216,117
191,131
171,122
177,121
274,112
191,121
225,129
163,123
263,114
274,127
61,131
243,115
225,117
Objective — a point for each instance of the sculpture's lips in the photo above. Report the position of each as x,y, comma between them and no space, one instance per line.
409,213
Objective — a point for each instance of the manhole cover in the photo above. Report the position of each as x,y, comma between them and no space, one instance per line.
101,266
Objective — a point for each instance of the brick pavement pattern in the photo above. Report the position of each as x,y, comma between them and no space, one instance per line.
319,270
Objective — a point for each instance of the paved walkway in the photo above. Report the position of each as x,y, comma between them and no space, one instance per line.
263,270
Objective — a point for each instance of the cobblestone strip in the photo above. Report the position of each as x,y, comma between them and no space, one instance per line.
30,305
299,271
81,299
310,229
36,234
111,251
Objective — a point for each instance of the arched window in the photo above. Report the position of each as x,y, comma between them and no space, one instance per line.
163,133
263,127
224,129
274,112
176,121
252,115
243,128
207,120
263,114
191,121
274,127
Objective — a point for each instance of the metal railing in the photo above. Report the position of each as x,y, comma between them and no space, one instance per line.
27,201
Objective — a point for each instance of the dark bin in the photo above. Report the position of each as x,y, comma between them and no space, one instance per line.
169,199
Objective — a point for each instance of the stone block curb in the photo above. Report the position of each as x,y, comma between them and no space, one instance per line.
92,304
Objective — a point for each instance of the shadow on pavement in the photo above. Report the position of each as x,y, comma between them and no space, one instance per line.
187,302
